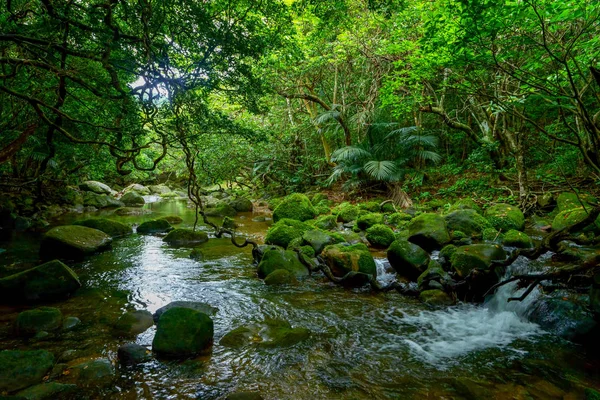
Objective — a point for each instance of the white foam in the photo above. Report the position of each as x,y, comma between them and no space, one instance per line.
385,273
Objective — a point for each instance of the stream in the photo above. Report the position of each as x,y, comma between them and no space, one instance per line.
363,345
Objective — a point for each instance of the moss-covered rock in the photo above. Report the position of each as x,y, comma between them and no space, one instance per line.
342,259
280,277
408,259
380,236
20,369
154,226
229,223
318,197
518,239
318,239
284,231
275,259
399,218
133,199
366,221
465,204
133,354
95,187
183,332
296,206
434,277
505,217
436,297
48,391
197,254
388,208
173,219
467,221
91,199
346,212
308,251
370,206
273,203
428,231
133,323
50,281
568,201
94,373
220,209
137,188
476,256
110,227
185,237
326,222
573,216
351,237
446,253
30,322
269,333
204,308
491,235
73,242
159,189
241,204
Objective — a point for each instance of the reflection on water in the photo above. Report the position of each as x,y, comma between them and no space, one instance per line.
362,346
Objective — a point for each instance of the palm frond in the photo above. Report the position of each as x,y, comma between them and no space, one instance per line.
429,155
402,132
327,116
380,170
350,153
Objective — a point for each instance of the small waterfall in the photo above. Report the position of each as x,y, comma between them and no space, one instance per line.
385,272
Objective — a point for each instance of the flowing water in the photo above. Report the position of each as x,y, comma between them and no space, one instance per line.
363,345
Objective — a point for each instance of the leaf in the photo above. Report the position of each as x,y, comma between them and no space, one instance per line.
380,170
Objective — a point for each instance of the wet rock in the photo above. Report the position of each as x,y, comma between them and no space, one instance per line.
229,223
241,204
244,396
110,227
476,256
436,297
465,204
284,231
318,239
31,322
50,281
568,201
296,206
346,212
159,189
173,219
92,373
505,217
408,259
20,369
137,188
73,242
221,209
133,354
343,259
95,187
573,216
546,201
380,236
133,199
274,259
193,305
514,238
468,221
259,219
154,226
100,200
434,277
183,332
185,237
70,323
280,277
428,231
326,222
48,391
446,254
366,221
197,255
133,323
269,333
126,211
259,251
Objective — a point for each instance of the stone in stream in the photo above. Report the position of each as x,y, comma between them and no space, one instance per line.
50,281
73,242
280,277
95,373
100,200
468,221
125,211
183,332
268,333
133,199
296,206
154,226
137,188
319,239
110,227
133,323
133,354
31,322
48,391
476,256
241,204
95,187
505,217
428,231
380,236
173,219
193,305
342,259
197,254
70,323
220,209
159,189
185,237
283,232
274,259
20,369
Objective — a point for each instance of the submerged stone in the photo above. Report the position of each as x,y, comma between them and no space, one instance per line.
185,237
193,305
48,391
408,259
133,323
92,373
154,226
269,333
20,369
436,297
275,259
343,259
183,332
133,354
173,219
73,242
280,277
110,227
40,319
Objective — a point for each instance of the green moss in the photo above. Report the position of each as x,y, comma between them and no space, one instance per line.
173,219
436,298
346,212
20,369
568,201
317,198
505,217
397,218
39,319
447,251
491,234
273,203
457,235
281,277
407,258
110,227
295,206
73,242
342,259
284,231
371,206
326,222
518,239
467,221
366,221
281,259
308,251
429,231
185,237
318,239
477,256
402,235
154,226
296,243
466,204
133,199
571,217
182,332
221,209
229,223
591,394
388,208
380,236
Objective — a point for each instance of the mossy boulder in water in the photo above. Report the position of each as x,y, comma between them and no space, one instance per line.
137,188
284,231
30,322
193,305
183,332
20,369
408,259
133,323
275,259
110,227
269,333
133,199
366,221
133,354
436,297
95,187
220,209
505,217
318,239
434,277
229,223
159,189
428,231
380,236
73,242
280,277
467,221
154,226
572,217
342,259
241,204
93,373
568,201
91,199
173,219
514,238
476,256
296,206
185,237
326,222
50,281
346,212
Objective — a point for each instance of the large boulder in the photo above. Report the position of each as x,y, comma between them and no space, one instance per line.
159,189
274,259
185,238
476,256
366,221
429,231
95,373
573,216
284,231
514,238
434,277
380,236
133,354
154,226
505,217
133,323
193,305
73,242
50,281
296,206
568,201
269,333
318,239
467,221
30,322
220,209
20,369
95,187
408,259
110,227
91,199
346,212
342,259
137,188
133,199
183,332
241,204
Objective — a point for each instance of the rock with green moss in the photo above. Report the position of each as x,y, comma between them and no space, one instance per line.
465,204
185,237
351,237
326,222
514,238
308,251
50,281
459,236
408,259
505,217
436,297
20,369
100,200
183,332
366,221
95,187
296,206
396,219
241,204
322,209
108,226
476,256
491,235
133,323
273,203
568,201
446,253
388,208
229,223
73,242
402,234
154,226
127,211
173,219
572,217
380,236
284,231
268,333
274,259
342,259
31,322
346,212
295,243
370,206
428,231
318,239
220,209
467,221
48,391
280,277
133,199
159,189
318,197
95,373
197,254
137,188
591,394
434,277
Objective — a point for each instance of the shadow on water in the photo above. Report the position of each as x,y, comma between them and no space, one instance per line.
362,345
